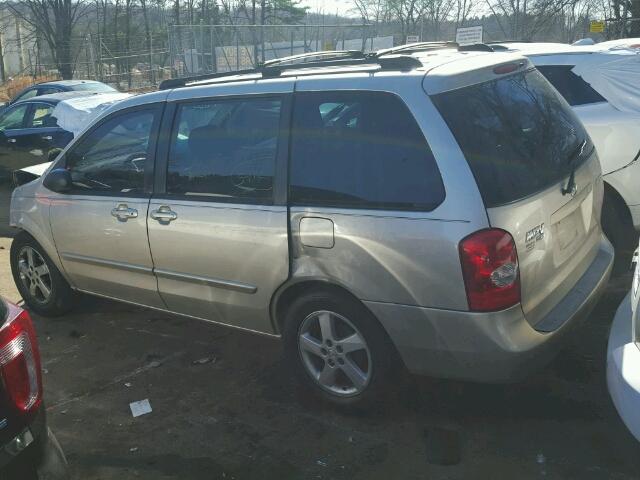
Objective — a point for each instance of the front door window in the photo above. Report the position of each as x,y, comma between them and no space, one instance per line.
111,159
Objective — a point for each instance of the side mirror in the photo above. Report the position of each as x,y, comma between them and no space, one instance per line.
58,180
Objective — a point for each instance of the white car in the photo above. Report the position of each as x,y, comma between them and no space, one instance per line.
600,82
623,356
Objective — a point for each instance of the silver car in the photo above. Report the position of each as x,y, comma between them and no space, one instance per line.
437,210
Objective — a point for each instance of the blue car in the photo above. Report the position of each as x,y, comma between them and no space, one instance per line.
29,135
29,132
47,88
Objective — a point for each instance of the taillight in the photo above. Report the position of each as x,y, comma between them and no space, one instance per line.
20,361
490,269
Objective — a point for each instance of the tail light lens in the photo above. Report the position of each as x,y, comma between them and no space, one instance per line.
20,361
490,269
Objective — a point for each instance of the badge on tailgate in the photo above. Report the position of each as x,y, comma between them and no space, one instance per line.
533,235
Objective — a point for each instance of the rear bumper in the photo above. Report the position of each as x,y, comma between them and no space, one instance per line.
489,347
33,453
623,368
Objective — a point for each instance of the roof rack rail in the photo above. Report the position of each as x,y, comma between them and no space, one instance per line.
507,41
336,54
476,47
274,68
417,47
183,81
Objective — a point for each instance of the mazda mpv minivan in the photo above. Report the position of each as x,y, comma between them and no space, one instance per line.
441,208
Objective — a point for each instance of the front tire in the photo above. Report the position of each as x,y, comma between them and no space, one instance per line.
40,283
337,349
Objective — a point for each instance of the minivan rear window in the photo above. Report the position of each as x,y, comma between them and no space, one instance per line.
517,134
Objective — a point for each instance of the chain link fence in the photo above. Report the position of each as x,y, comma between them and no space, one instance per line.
200,49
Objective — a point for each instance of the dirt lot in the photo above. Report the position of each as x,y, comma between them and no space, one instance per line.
235,416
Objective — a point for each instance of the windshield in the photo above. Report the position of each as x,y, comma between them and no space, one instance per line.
518,135
94,87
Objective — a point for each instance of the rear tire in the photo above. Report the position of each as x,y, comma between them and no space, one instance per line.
617,226
40,283
338,350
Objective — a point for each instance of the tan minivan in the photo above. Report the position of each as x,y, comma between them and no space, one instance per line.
441,208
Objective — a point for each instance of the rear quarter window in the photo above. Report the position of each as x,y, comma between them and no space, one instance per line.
361,150
572,87
517,134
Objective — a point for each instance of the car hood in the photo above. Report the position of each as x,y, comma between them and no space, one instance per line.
37,170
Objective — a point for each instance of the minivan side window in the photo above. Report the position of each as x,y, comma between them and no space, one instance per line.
571,86
225,150
360,150
111,158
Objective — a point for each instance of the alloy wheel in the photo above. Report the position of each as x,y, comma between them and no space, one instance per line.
334,353
34,274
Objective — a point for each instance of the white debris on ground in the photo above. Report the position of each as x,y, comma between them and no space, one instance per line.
140,408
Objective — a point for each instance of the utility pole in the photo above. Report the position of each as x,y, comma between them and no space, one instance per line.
19,43
152,72
93,57
263,14
2,75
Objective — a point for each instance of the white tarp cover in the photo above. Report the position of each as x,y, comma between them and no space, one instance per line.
76,114
612,68
615,74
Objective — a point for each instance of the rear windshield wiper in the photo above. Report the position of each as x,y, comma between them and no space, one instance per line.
571,183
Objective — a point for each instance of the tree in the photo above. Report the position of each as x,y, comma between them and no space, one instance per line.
463,10
634,8
54,21
526,18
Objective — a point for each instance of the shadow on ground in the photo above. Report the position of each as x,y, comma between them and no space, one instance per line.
222,408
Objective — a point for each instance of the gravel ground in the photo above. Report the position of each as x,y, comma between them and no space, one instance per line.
222,408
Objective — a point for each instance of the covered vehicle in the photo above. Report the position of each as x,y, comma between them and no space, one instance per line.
623,356
601,83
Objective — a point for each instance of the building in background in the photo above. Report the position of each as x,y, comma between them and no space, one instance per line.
18,45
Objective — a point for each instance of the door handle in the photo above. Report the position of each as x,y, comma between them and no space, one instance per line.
123,213
164,214
47,137
11,140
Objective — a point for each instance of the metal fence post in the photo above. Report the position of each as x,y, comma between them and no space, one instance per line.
238,51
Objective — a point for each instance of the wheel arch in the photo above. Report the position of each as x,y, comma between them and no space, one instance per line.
41,239
294,288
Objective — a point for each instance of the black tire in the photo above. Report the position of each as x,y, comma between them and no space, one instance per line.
61,297
382,354
617,226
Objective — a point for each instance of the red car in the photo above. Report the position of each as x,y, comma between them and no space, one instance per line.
28,449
